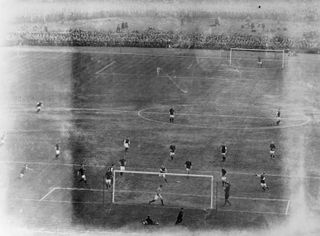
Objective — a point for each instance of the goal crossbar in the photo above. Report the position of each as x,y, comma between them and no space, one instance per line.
211,177
259,50
167,173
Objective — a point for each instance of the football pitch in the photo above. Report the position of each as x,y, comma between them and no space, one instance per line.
94,98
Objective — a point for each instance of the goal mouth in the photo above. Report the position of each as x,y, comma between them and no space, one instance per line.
180,190
257,58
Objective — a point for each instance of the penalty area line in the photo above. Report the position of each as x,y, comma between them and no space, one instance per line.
177,86
288,207
47,194
107,66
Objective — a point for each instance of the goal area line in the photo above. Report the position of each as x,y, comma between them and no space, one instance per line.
52,190
169,193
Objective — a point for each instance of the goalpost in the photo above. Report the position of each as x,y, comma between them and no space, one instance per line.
182,190
249,57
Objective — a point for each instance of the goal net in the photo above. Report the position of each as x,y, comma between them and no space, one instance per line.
241,57
182,190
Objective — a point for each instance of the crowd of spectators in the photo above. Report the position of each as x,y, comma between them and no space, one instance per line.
158,39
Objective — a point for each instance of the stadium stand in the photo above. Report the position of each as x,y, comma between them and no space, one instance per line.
158,39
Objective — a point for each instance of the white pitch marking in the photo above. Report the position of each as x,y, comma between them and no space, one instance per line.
260,199
190,65
227,128
178,87
254,212
164,193
288,206
213,115
107,66
80,189
47,194
165,206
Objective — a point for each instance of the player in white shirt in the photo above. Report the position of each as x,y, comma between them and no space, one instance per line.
158,196
57,148
39,106
126,143
259,62
24,170
163,171
223,177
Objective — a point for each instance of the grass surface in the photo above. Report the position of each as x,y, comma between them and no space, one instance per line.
90,110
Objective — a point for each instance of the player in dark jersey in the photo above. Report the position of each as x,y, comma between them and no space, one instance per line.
163,171
172,151
122,163
82,173
57,148
38,107
179,217
108,178
263,181
149,221
188,165
223,177
171,115
278,117
272,150
158,196
126,143
24,170
223,152
227,193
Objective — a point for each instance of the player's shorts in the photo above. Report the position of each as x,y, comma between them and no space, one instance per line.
163,175
188,169
223,153
259,62
263,185
83,177
272,152
21,175
126,145
157,196
57,152
172,154
122,168
108,181
171,116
